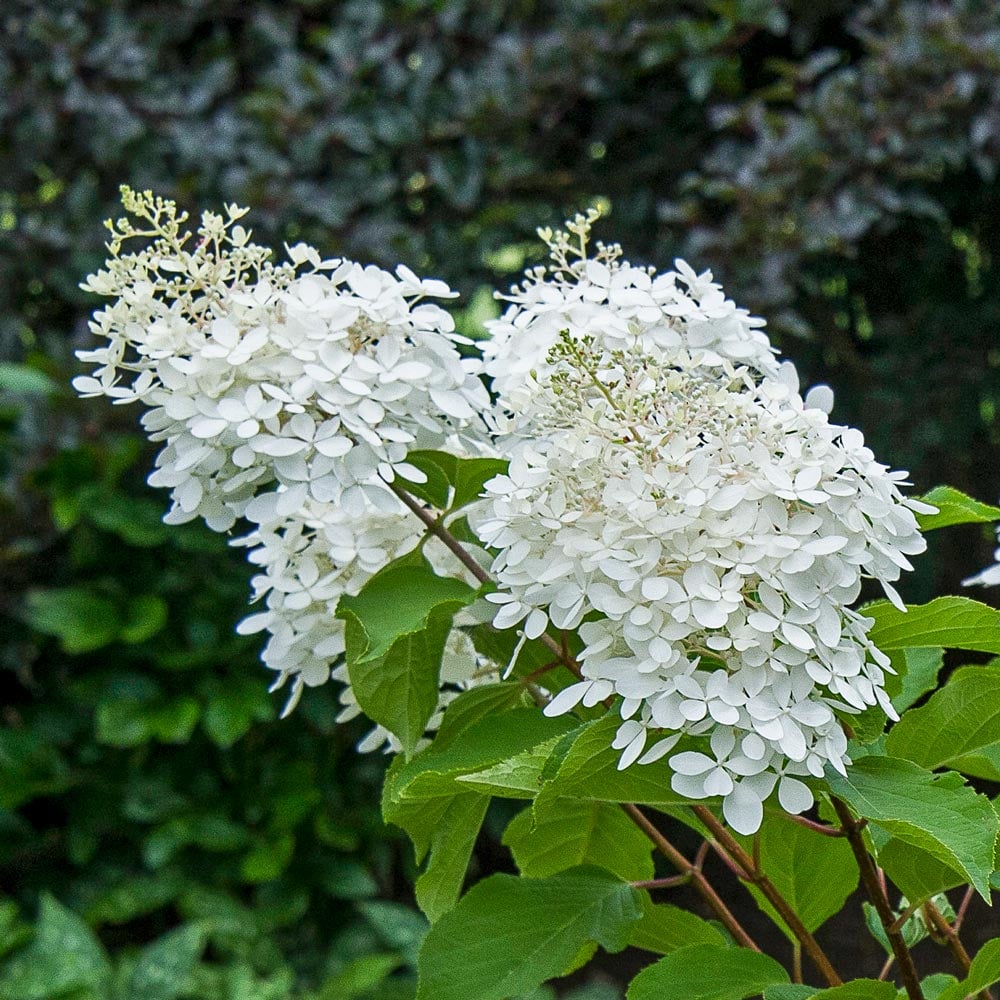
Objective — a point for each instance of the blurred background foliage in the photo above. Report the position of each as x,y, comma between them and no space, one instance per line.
835,163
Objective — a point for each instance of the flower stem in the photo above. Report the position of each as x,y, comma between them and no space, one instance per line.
950,935
876,891
698,880
438,530
767,888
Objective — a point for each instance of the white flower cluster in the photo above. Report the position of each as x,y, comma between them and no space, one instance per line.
703,528
670,495
288,395
614,305
320,381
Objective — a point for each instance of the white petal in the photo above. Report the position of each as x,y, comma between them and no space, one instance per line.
743,810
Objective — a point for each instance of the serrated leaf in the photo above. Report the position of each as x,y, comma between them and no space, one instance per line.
707,972
857,989
163,968
395,632
916,673
959,727
937,813
571,832
517,777
401,689
983,973
396,602
948,622
477,703
454,836
64,956
815,873
496,738
590,771
508,935
664,928
955,507
917,873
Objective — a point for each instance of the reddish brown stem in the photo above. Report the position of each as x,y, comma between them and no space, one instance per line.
822,828
663,883
949,934
462,554
767,888
698,880
874,887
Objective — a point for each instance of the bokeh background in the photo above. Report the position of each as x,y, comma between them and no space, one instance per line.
834,163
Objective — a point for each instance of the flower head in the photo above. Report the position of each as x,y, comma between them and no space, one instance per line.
705,529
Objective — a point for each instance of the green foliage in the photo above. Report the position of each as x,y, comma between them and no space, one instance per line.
707,972
569,832
589,770
815,873
395,635
954,507
959,727
937,815
984,972
800,151
509,935
64,957
663,928
951,622
857,989
916,673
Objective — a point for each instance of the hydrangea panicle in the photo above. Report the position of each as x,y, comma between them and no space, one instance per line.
701,525
287,395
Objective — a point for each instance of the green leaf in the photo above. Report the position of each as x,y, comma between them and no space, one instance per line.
951,622
517,777
959,727
508,935
707,972
570,832
475,704
916,872
454,836
64,956
465,476
82,620
983,973
936,813
164,967
439,468
395,635
815,873
493,739
664,928
916,673
396,602
590,771
470,477
401,689
130,722
954,507
934,986
856,989
22,380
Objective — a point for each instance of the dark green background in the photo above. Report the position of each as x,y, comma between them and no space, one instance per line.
833,163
